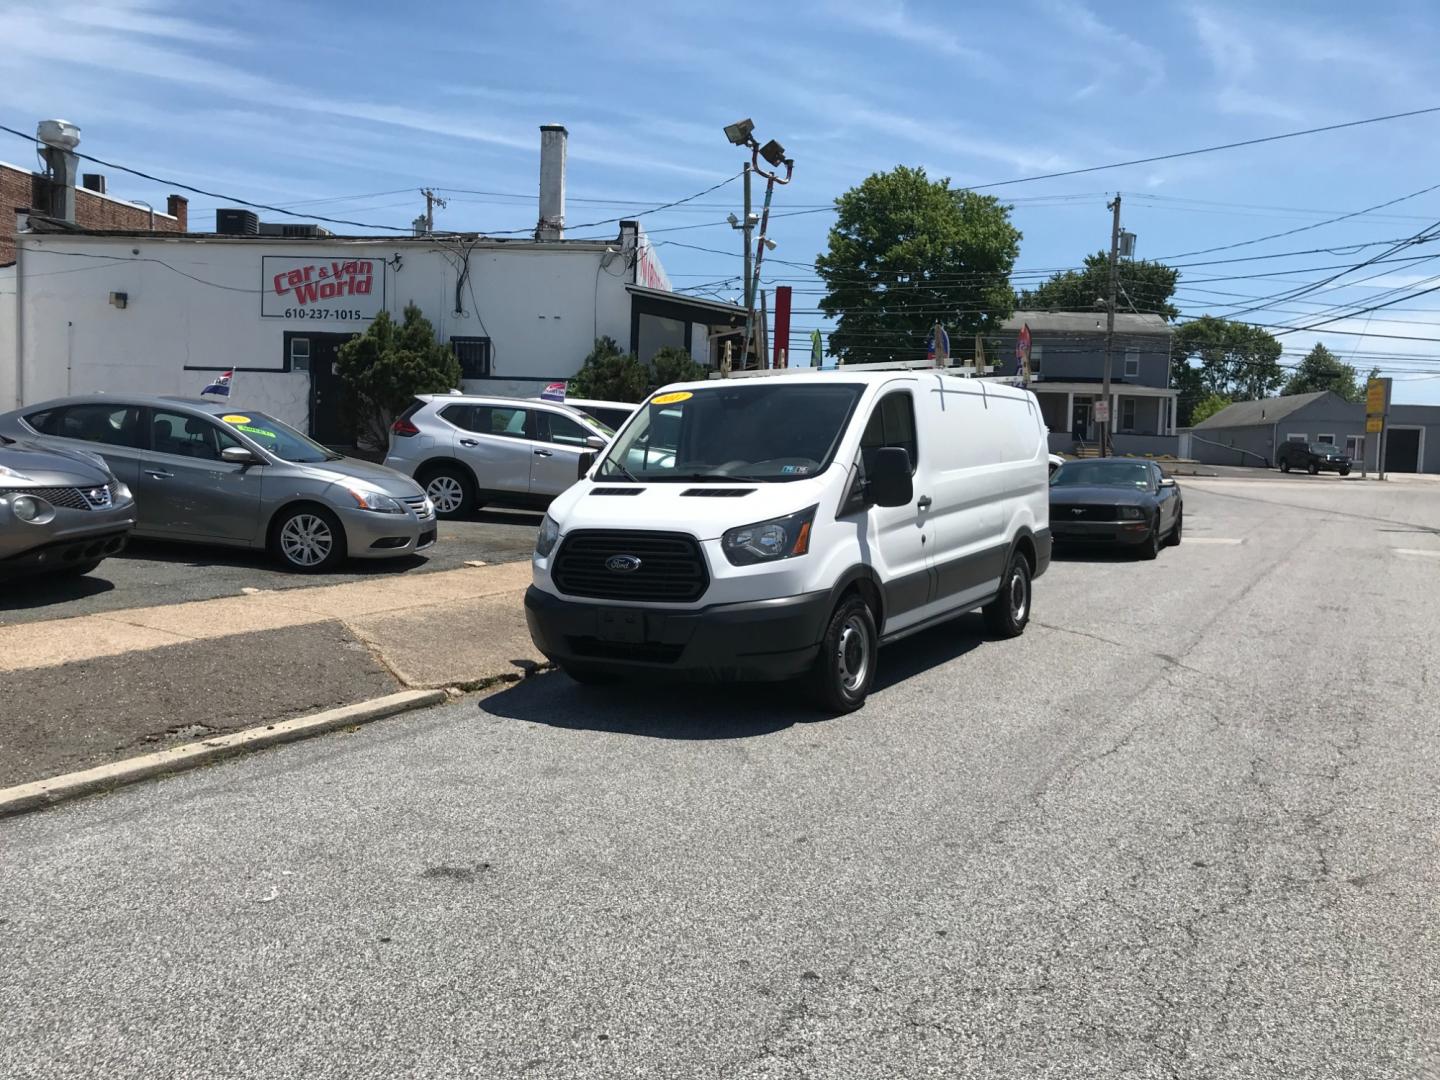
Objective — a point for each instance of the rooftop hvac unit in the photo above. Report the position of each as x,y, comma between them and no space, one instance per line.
233,222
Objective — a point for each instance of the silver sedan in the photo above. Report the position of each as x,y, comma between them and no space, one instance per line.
223,474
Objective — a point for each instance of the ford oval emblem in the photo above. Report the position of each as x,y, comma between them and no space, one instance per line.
622,564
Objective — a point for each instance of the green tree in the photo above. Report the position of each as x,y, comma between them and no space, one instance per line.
610,375
385,367
907,252
1145,287
1323,370
1207,408
672,365
1216,356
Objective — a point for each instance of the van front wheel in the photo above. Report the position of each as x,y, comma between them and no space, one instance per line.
1008,613
845,668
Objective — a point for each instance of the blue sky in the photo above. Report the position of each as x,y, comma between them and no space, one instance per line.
314,106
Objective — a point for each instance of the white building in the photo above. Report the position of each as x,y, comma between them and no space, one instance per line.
82,311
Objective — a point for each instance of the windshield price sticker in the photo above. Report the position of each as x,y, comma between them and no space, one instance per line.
673,398
234,419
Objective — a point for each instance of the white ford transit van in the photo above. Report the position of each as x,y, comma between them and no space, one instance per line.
787,526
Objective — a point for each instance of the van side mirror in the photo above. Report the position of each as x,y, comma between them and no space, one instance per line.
890,482
586,460
239,455
596,442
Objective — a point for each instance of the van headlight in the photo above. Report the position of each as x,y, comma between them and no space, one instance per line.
766,541
548,537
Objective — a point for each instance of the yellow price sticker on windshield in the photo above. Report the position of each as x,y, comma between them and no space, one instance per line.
235,419
671,399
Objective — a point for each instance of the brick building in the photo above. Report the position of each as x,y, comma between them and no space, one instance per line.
94,209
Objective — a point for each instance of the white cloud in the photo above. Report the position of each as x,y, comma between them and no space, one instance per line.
1115,51
894,19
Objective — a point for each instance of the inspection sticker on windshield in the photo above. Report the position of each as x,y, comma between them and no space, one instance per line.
235,419
250,429
671,399
788,470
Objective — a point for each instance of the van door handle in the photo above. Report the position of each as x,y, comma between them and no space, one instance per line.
543,453
469,442
160,474
924,503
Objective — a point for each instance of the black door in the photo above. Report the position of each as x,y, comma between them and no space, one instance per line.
331,417
1402,450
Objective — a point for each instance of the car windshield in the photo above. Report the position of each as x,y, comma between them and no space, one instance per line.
771,432
1322,448
279,439
1126,474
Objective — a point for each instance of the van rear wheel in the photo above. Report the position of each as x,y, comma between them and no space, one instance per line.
845,669
1008,613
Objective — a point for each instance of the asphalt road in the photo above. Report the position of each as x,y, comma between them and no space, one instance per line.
153,572
1185,827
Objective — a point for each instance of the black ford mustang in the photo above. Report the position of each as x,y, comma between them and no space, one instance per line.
1115,501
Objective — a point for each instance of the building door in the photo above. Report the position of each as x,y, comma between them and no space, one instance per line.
1402,450
332,419
1355,448
1080,421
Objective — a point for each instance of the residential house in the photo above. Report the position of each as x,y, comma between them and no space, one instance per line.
1067,367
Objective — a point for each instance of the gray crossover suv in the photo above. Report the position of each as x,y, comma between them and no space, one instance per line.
225,474
60,511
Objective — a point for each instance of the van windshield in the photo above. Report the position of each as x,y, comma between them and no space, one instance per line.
767,432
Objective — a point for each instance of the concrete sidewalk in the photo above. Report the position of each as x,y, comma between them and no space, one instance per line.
92,689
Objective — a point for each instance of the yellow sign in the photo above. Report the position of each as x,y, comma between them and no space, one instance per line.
1375,424
1375,398
235,419
671,399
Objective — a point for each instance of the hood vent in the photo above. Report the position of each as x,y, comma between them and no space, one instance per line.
715,492
617,491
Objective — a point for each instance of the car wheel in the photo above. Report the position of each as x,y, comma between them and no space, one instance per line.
1284,464
1345,471
1008,613
1174,540
452,491
1313,469
845,668
1150,549
308,540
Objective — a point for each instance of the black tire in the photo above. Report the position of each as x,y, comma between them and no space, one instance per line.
1313,469
1009,612
1284,464
451,488
587,676
1174,538
1150,549
845,669
307,539
1345,471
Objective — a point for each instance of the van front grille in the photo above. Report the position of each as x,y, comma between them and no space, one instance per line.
669,567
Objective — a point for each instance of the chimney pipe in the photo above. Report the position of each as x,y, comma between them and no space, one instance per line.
58,140
552,182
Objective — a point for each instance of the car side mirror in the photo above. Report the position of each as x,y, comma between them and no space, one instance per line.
239,455
1167,481
596,442
586,460
890,482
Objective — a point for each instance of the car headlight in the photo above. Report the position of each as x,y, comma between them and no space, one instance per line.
123,494
373,500
766,541
548,537
1131,513
32,509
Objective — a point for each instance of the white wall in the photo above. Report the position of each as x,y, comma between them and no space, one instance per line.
8,357
194,302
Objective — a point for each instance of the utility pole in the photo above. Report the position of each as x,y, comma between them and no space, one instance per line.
1107,427
746,229
431,201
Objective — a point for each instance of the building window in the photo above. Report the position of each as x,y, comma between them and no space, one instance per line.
474,356
1037,352
300,354
1127,414
1132,363
1330,439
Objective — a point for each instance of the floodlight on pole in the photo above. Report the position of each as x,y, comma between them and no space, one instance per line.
739,132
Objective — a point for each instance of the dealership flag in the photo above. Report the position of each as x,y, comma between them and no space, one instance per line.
817,354
221,385
555,391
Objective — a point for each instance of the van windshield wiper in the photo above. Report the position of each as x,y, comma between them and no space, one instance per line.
623,472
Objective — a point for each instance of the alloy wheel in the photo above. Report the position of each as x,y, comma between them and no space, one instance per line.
447,493
306,540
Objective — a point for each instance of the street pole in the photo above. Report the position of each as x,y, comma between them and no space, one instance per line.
746,229
1106,427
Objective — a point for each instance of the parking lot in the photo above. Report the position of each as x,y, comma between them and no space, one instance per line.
1184,827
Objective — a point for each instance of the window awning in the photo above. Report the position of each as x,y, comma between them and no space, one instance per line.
673,305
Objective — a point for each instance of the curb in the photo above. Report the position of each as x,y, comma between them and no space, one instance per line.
42,793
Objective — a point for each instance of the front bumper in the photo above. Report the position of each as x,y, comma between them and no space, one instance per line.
760,640
1099,532
369,535
72,538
